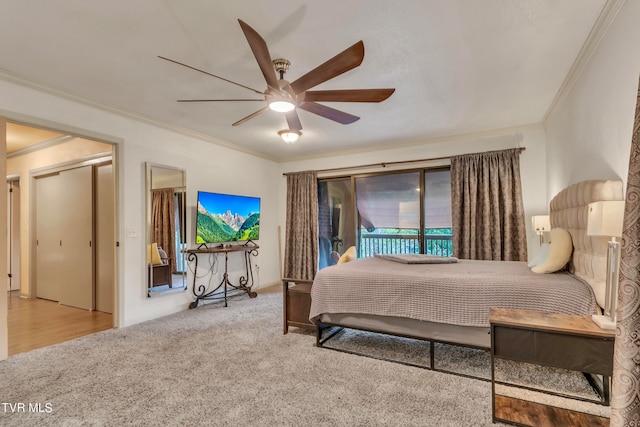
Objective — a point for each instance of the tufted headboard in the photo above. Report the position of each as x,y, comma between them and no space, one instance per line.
568,210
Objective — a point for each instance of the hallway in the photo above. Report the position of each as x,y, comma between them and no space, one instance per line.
35,323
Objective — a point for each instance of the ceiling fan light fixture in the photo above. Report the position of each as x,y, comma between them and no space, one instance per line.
281,106
284,97
289,136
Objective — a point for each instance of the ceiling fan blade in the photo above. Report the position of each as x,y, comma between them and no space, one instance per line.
293,120
348,95
218,100
341,63
261,52
250,116
212,75
329,113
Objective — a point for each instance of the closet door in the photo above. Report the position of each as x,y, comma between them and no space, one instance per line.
49,211
76,235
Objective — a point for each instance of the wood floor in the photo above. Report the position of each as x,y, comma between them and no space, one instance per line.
35,323
524,413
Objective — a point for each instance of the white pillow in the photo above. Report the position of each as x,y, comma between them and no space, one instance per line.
560,249
541,257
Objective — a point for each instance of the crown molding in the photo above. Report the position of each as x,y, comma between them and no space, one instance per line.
408,144
12,78
41,145
4,75
607,15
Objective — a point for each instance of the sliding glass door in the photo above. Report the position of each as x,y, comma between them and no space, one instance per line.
387,213
336,225
437,212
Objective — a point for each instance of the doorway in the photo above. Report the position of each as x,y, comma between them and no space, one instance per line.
33,152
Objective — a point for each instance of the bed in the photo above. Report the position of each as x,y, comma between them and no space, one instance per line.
450,302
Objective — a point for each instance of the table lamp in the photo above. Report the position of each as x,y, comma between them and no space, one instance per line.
605,219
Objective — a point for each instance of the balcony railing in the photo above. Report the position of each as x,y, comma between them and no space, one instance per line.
377,243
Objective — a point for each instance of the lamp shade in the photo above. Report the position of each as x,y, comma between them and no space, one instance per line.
540,223
605,218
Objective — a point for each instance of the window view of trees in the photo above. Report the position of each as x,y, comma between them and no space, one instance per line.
437,241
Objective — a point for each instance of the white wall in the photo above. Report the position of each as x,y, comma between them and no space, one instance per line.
589,134
532,165
208,166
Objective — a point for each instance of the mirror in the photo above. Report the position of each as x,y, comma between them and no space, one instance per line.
166,229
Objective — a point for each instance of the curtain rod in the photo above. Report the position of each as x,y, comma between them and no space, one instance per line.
400,162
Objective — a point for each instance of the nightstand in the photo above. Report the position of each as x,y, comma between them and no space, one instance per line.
160,275
548,339
297,303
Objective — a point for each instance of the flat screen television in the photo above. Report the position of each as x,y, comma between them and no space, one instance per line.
224,218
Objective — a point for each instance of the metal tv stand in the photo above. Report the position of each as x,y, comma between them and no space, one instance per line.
225,289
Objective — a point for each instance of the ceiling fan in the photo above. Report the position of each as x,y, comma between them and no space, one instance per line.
283,96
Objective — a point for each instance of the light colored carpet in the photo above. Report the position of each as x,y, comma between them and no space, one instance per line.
462,361
477,363
218,366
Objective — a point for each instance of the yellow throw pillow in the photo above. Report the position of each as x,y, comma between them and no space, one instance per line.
349,255
560,249
153,256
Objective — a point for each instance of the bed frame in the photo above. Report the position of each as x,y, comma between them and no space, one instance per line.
568,210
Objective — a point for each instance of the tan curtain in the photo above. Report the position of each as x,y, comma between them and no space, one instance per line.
625,395
486,206
301,242
163,221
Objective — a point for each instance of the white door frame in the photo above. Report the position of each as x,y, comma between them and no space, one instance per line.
117,159
4,300
13,233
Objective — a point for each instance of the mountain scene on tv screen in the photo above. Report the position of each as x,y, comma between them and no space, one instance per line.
226,227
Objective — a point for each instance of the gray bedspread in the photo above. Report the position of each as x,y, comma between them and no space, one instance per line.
458,293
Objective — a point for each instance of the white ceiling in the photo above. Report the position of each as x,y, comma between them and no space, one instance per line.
458,66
